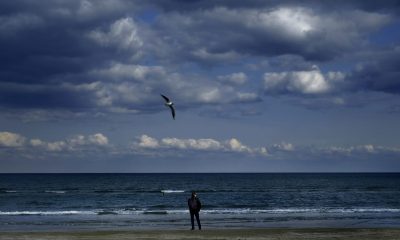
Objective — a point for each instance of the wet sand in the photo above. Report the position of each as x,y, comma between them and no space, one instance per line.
269,234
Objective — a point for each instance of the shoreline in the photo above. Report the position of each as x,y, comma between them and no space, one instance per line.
245,233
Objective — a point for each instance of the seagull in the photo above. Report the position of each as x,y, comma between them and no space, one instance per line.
169,104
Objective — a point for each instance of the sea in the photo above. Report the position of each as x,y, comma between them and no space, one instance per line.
62,202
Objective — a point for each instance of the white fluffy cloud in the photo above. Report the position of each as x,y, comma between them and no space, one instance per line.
79,145
55,146
8,139
98,139
197,144
237,146
301,82
202,144
284,146
150,145
148,142
367,148
78,142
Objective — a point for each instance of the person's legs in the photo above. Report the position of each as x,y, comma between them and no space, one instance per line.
197,219
192,219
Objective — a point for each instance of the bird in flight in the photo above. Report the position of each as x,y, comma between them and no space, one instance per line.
169,104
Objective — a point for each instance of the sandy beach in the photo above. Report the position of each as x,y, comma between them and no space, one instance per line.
282,234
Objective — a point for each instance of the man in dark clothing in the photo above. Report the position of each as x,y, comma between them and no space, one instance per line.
194,205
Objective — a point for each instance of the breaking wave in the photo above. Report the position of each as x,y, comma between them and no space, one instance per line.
239,211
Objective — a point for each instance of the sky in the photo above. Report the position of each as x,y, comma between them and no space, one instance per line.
258,86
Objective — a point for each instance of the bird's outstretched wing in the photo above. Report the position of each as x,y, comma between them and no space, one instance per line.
165,98
172,111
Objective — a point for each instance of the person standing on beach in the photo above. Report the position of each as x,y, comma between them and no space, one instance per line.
194,205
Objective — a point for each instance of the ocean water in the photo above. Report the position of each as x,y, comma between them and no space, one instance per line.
42,202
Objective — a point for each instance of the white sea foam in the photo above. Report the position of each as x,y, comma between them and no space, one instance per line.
301,211
367,210
233,211
55,191
172,191
16,213
177,211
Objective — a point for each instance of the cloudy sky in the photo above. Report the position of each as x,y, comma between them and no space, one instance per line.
258,86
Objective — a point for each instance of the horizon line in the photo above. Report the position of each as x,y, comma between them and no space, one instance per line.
322,172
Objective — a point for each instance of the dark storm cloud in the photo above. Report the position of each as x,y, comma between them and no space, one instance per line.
209,31
44,97
380,73
42,39
192,5
105,55
48,49
85,54
374,79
